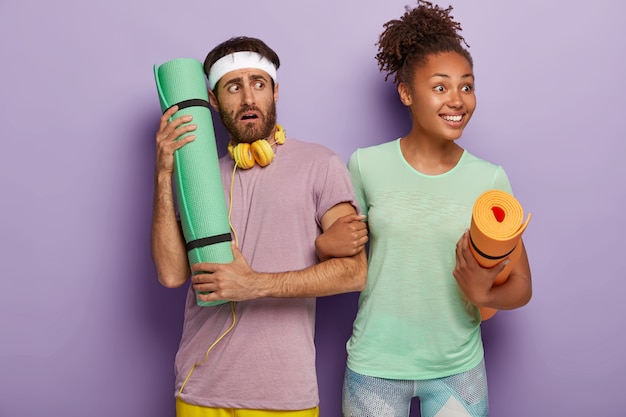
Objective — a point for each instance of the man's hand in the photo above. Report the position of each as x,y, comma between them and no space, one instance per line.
166,139
234,281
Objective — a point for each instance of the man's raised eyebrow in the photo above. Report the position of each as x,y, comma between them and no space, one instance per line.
239,80
236,80
259,77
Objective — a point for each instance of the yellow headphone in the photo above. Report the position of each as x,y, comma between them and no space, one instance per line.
246,154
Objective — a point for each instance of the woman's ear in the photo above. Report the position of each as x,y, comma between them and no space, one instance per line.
405,94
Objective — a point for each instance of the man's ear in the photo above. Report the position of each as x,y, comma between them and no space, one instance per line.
405,94
213,101
275,92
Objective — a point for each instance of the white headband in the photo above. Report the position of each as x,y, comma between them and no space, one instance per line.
239,60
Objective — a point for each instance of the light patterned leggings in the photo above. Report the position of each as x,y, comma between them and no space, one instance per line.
461,395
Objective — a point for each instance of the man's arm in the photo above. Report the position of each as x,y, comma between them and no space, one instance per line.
236,281
167,242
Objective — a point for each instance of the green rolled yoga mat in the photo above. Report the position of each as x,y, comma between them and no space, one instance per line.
197,179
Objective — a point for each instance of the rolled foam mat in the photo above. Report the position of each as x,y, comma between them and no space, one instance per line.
495,233
197,179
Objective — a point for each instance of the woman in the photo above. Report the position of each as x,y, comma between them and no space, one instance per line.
417,331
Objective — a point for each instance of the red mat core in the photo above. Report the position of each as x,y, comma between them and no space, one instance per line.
498,213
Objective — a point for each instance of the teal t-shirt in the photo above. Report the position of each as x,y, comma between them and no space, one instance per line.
413,320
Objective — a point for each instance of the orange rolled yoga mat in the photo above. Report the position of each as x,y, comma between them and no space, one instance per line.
496,229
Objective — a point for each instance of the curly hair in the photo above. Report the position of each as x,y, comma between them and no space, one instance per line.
406,43
240,44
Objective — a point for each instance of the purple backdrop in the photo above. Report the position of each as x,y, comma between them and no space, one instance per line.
85,327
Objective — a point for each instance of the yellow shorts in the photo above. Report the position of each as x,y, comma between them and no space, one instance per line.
188,410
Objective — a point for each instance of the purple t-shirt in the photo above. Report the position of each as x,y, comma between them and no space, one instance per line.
268,360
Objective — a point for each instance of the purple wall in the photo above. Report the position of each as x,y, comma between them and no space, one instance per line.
86,329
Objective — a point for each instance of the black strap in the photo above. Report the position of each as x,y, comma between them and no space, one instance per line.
190,103
484,255
206,241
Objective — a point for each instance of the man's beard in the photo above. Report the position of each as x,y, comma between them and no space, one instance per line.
241,132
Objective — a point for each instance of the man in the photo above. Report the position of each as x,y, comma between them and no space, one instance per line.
255,355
